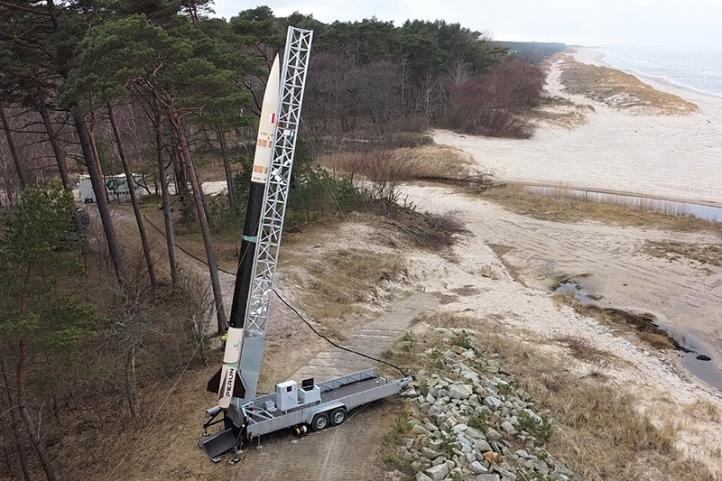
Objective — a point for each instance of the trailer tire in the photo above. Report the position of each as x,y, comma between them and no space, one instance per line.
338,416
320,421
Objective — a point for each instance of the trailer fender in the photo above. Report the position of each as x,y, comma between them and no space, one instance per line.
325,408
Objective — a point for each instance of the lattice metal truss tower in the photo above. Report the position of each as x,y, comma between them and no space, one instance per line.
293,82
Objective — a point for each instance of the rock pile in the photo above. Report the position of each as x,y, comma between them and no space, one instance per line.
471,423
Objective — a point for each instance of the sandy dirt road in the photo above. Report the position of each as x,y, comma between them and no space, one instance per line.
347,452
351,451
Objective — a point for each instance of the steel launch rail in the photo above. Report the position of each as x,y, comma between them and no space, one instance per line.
245,416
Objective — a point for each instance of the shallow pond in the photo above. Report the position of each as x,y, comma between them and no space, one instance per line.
698,358
666,206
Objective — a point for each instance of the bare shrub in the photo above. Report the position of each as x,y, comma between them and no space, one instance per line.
378,175
405,139
375,174
492,104
428,231
402,164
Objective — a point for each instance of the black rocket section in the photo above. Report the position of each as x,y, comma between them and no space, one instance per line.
242,287
243,274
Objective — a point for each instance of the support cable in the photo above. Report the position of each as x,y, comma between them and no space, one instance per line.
291,307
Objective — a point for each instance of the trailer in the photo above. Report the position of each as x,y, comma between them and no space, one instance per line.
244,415
313,406
116,187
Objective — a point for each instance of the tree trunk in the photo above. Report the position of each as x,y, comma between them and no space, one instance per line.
94,146
165,196
13,150
54,143
181,188
178,174
202,219
6,455
133,200
14,427
227,168
101,199
35,438
130,391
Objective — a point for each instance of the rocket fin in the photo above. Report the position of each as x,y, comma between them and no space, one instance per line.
232,386
239,390
214,383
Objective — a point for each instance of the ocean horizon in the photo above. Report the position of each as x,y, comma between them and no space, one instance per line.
698,69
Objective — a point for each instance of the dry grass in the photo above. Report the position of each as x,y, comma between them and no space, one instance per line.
703,410
452,320
598,430
584,351
569,209
343,279
561,112
710,254
642,324
620,90
567,119
435,162
656,340
378,175
406,163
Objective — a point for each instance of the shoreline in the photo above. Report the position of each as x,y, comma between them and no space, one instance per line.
597,57
667,157
706,101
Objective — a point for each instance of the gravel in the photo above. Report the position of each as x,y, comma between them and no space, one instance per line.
466,427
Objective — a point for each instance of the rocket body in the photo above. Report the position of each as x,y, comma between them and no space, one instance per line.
259,174
229,382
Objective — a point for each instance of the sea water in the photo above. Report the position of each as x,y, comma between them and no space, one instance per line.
698,69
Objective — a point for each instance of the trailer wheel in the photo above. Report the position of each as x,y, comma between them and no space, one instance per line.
338,416
320,421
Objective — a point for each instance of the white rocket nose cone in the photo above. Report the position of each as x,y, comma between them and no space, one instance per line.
267,125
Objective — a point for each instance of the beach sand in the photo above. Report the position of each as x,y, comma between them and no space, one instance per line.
613,148
670,156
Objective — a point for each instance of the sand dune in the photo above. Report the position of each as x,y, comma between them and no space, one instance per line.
675,156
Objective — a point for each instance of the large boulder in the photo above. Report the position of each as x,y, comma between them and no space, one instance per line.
478,468
420,476
508,427
460,391
438,472
487,477
492,402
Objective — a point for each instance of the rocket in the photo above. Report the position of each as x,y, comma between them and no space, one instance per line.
227,381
